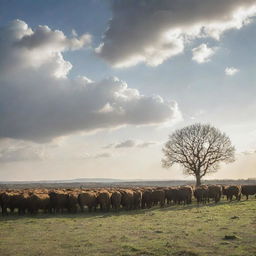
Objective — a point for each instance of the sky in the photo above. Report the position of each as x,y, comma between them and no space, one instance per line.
92,89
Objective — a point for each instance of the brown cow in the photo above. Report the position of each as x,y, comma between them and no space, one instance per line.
158,197
146,201
127,199
137,197
214,192
72,201
4,201
37,201
14,200
171,195
88,199
104,200
231,191
185,194
58,201
201,194
116,198
248,190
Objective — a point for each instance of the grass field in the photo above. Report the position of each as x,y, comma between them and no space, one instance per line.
222,229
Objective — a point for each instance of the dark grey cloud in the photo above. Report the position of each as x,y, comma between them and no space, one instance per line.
153,31
39,102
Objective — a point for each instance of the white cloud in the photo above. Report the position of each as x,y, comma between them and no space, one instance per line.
249,152
154,31
131,144
146,144
126,144
103,155
26,50
203,53
231,71
23,154
39,102
17,150
109,146
73,32
95,156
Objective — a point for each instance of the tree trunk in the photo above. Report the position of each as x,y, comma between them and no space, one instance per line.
198,180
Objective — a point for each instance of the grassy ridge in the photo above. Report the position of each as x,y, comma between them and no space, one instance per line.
176,230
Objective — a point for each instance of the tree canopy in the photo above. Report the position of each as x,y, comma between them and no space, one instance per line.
199,149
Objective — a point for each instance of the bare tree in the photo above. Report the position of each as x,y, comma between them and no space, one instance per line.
199,149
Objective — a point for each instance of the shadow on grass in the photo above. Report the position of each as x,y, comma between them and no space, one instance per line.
198,206
122,212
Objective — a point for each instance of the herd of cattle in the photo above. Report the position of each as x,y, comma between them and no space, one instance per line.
70,200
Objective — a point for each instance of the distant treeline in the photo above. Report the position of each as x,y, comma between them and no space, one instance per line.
128,184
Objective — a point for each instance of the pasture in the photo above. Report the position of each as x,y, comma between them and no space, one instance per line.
226,228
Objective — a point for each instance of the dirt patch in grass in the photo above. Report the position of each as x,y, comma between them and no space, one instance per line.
184,253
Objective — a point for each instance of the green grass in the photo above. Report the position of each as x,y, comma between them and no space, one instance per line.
175,230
